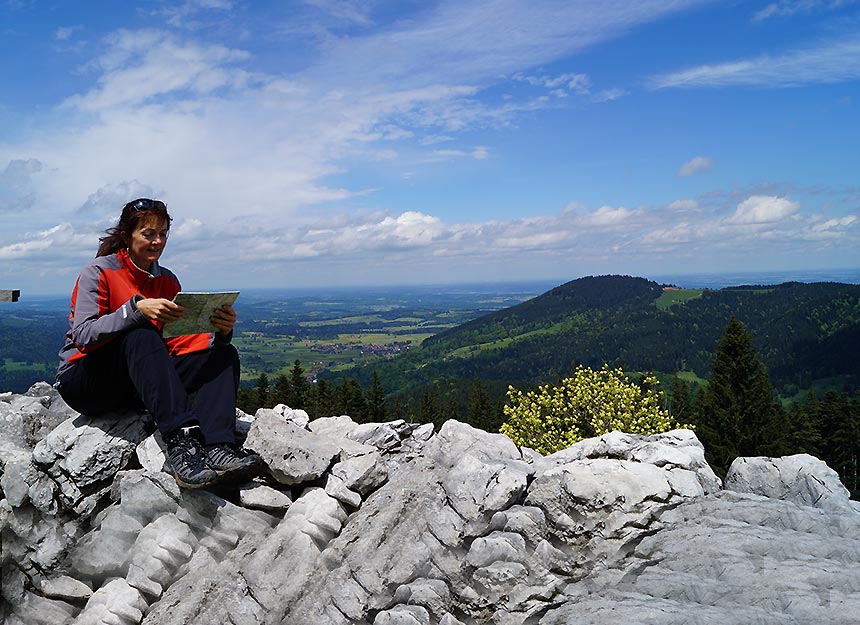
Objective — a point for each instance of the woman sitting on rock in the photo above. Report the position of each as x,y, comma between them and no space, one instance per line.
115,356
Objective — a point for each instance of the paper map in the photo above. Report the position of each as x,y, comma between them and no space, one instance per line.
198,308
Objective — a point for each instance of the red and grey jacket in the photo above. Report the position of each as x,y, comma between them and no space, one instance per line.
104,305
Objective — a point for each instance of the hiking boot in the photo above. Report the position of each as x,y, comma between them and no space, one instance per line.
186,460
225,460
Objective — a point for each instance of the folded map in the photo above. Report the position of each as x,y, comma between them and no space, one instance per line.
198,308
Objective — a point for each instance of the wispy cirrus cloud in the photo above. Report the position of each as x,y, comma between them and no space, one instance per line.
783,8
831,62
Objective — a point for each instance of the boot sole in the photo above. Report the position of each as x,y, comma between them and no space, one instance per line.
192,485
238,473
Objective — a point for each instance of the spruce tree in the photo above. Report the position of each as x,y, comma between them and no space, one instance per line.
376,409
738,414
299,385
282,391
429,410
350,400
680,400
262,398
323,402
481,412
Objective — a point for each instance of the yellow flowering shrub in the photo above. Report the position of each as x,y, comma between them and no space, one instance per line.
589,403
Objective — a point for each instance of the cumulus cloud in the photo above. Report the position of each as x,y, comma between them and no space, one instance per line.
762,209
695,165
388,243
608,216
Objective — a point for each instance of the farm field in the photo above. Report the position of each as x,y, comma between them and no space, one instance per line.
341,329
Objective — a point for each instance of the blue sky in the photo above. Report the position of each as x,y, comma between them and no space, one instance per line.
354,142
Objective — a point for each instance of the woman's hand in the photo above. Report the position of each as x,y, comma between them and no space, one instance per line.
224,319
160,309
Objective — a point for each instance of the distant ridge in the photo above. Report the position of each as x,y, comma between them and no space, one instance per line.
803,332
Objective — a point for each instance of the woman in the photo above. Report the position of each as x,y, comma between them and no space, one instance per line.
115,357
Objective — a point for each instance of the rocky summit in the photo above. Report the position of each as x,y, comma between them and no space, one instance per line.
397,524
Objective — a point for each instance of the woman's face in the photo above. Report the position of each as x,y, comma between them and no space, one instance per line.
147,241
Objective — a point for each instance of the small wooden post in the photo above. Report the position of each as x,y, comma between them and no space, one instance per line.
9,296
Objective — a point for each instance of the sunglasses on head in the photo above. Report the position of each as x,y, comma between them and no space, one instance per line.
145,204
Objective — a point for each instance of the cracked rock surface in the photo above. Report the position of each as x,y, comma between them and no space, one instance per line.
393,523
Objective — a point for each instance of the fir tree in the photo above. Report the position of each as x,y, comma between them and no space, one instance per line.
840,425
299,385
680,400
262,398
481,412
738,414
376,409
350,400
282,391
323,402
429,410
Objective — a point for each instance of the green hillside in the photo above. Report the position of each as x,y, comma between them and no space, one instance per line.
802,332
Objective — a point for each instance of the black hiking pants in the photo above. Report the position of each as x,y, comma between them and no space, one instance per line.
135,370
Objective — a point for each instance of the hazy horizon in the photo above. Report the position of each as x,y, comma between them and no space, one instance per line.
708,280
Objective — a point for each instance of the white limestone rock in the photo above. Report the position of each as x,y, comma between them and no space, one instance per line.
364,473
383,436
333,426
336,487
35,610
82,453
151,453
608,498
65,587
403,615
296,416
677,449
115,603
160,549
432,594
262,497
801,478
291,454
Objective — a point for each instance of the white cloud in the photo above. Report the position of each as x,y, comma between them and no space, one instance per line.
835,223
607,95
683,206
64,33
561,85
833,62
695,165
19,172
146,66
350,11
470,42
478,153
606,216
399,244
763,209
785,8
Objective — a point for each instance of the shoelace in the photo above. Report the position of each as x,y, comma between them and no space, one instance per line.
185,448
222,453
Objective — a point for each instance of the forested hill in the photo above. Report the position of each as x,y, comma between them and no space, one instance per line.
579,297
802,332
